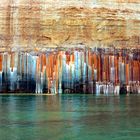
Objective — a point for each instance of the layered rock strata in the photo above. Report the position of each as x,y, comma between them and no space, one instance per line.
88,46
36,25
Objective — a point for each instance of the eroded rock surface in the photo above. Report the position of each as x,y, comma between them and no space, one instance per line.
39,24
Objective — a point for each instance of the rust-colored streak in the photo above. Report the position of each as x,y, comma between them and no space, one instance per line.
1,61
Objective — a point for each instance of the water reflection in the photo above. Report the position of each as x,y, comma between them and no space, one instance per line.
69,117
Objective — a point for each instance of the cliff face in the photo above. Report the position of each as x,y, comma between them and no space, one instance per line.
29,28
35,25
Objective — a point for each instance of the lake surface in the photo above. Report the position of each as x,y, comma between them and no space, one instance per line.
70,117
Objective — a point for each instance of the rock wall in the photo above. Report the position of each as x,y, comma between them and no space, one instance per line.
55,46
77,70
39,24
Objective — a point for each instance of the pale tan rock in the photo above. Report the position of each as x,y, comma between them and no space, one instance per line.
31,26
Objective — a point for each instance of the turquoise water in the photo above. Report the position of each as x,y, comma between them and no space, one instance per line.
69,117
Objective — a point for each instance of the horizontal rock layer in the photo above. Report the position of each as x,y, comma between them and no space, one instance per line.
36,25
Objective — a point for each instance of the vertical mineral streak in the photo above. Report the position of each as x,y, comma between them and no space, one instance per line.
68,72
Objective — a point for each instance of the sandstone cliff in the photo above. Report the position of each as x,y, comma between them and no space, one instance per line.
32,26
